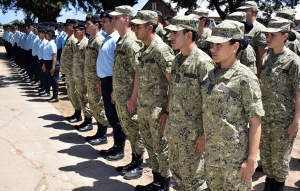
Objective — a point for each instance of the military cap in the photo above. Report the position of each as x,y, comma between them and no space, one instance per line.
53,24
158,12
226,31
71,21
95,18
122,10
277,26
198,13
167,17
237,16
50,31
79,25
248,5
287,14
42,29
179,23
105,14
28,24
145,16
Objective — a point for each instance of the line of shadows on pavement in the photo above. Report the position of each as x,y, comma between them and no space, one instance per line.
103,173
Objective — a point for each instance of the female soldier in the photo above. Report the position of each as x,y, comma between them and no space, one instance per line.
280,80
231,100
49,57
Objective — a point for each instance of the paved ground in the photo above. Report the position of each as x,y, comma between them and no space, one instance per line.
41,151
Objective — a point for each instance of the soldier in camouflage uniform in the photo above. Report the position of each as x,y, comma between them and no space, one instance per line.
203,28
90,76
258,40
232,111
185,120
289,14
154,75
166,22
159,29
125,88
66,65
78,75
246,57
281,99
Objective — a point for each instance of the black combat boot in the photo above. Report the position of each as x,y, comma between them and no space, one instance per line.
269,184
133,170
164,184
278,186
75,117
101,132
153,186
118,152
87,125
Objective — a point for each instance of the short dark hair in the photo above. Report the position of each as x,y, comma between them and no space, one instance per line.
154,26
99,25
243,44
194,34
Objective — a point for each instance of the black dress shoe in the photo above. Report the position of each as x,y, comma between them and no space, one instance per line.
74,120
52,100
87,138
87,127
38,88
108,152
115,156
98,141
46,94
134,174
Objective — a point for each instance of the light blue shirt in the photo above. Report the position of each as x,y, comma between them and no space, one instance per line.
27,41
41,48
11,38
35,46
16,36
4,35
105,59
60,39
20,39
33,36
22,42
49,49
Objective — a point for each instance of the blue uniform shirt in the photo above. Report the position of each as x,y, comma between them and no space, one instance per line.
27,41
33,36
41,48
35,46
59,40
49,49
105,59
20,39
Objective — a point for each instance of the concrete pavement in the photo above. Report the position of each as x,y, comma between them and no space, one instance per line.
41,151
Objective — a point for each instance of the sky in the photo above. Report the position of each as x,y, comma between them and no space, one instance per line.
11,15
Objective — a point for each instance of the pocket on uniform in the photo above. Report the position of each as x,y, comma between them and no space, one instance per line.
156,112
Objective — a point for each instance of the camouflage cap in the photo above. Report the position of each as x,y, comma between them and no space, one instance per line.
143,17
237,16
248,5
226,31
179,23
122,10
287,14
277,26
198,13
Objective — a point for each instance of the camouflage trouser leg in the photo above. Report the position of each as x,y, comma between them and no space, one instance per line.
227,178
73,96
186,166
275,149
83,100
156,144
96,105
130,128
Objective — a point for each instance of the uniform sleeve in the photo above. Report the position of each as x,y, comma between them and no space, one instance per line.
259,40
295,76
133,54
205,67
251,97
166,59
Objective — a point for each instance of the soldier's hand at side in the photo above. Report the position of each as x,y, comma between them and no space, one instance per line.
112,100
52,71
292,130
98,87
44,68
200,144
162,122
247,170
131,104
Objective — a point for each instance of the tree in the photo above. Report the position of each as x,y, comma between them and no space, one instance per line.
48,10
224,7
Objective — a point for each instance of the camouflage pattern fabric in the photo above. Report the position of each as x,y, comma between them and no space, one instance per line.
201,43
230,98
198,13
248,5
126,61
160,31
123,9
146,16
297,34
78,75
248,58
155,63
67,55
219,178
185,119
72,94
280,81
90,79
293,46
179,23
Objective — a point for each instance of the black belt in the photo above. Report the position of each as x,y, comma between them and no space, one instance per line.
108,78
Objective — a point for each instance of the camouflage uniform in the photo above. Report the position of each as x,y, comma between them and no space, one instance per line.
66,62
126,62
280,81
90,75
230,98
185,120
247,56
78,75
160,31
